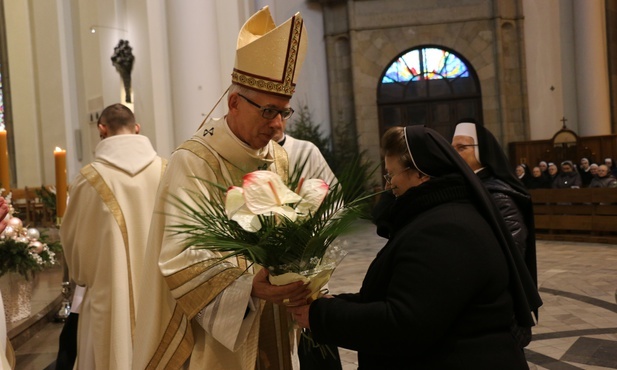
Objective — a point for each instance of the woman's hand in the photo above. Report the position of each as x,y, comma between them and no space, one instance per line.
300,315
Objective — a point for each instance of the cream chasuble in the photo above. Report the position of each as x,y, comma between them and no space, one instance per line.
104,234
200,313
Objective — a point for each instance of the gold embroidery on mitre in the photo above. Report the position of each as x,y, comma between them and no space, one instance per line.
294,55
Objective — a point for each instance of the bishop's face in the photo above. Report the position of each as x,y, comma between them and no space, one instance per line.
246,119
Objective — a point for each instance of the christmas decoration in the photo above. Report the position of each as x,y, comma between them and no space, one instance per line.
123,60
24,250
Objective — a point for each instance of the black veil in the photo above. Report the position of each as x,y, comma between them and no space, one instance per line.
434,156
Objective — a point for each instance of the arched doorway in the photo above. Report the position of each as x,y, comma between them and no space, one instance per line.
428,85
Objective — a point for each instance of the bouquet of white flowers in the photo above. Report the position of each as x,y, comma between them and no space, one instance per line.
290,229
289,232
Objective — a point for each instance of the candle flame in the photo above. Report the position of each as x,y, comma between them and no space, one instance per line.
58,149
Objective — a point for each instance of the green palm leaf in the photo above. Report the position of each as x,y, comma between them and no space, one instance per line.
281,245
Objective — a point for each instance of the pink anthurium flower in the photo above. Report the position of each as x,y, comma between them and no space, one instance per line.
313,192
265,193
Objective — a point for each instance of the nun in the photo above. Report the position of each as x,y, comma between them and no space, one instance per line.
480,149
443,291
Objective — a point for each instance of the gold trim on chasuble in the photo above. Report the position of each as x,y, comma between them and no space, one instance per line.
177,342
163,166
285,85
281,162
98,183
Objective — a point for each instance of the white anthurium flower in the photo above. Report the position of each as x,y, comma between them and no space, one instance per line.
236,210
313,192
234,200
265,193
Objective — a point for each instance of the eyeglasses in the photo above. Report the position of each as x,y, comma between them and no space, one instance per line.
389,177
461,147
270,113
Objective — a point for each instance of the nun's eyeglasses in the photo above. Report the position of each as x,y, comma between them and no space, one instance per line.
460,148
270,113
389,177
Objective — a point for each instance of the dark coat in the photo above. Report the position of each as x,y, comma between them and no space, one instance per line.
586,177
607,181
541,182
526,180
566,180
506,199
435,297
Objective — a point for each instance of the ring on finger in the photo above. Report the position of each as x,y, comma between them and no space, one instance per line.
286,301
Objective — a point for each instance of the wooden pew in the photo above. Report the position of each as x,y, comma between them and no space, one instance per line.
582,215
20,204
30,208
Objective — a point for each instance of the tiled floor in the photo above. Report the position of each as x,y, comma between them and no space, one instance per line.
578,322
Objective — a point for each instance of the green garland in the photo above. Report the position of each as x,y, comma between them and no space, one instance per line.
16,257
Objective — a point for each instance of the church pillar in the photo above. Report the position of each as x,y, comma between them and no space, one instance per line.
591,68
611,35
193,47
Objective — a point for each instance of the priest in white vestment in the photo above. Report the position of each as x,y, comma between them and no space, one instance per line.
104,233
306,157
201,313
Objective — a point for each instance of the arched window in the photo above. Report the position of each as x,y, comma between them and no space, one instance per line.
428,85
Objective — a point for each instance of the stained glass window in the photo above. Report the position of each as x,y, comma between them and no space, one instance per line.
428,85
425,64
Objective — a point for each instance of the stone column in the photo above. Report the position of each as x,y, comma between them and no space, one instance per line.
594,115
195,63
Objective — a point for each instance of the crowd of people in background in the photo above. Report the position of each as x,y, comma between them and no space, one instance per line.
548,175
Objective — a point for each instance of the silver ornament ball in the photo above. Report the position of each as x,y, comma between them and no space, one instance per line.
16,224
9,232
36,246
33,233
